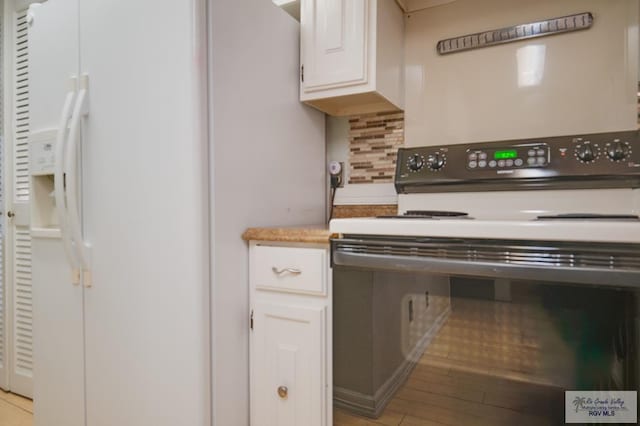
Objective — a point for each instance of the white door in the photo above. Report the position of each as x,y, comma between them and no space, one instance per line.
4,85
287,366
59,386
4,343
18,291
334,43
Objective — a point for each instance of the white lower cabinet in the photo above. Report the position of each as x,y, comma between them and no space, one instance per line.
288,380
290,337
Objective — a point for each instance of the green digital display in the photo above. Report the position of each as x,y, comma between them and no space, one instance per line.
504,154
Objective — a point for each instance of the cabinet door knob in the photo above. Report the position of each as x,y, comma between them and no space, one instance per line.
283,392
10,214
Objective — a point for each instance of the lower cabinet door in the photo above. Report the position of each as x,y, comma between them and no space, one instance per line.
288,366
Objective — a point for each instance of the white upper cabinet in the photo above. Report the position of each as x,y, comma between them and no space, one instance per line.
335,44
352,56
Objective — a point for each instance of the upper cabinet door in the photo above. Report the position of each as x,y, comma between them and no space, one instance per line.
333,43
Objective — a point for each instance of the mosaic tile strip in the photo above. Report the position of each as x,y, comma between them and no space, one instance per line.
374,140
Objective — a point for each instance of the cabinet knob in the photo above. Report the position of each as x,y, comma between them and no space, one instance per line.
283,392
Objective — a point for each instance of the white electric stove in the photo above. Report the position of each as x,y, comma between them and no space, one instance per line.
573,188
514,265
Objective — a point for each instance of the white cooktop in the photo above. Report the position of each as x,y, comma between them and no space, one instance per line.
510,215
546,230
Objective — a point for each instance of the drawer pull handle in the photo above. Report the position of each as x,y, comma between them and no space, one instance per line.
283,392
291,271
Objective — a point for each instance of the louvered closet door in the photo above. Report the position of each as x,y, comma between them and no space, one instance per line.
19,238
4,370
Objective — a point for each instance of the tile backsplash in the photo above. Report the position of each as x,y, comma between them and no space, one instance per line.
374,140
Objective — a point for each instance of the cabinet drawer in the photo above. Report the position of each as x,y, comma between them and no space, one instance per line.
289,269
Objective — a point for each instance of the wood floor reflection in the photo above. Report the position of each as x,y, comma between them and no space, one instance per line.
487,367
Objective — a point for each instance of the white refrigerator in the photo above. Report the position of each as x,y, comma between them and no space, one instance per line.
120,237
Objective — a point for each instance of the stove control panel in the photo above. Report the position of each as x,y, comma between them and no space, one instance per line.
433,162
510,157
586,151
603,160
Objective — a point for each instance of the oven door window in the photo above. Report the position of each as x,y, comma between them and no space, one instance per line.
430,347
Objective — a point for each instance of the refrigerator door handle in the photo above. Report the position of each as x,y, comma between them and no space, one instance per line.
59,180
71,165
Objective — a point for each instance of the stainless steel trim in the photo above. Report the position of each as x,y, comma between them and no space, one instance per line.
598,264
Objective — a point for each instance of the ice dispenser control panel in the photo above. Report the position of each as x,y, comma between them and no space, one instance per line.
42,152
44,217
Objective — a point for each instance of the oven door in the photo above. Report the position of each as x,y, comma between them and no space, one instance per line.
474,332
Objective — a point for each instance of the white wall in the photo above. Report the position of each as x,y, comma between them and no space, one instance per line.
268,165
337,131
338,150
338,142
587,79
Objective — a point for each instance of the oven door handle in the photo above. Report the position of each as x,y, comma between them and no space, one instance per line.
432,265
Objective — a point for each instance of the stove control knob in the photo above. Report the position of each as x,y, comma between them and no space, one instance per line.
586,153
416,162
618,151
436,161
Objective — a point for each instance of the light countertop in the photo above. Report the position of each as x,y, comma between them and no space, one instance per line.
292,234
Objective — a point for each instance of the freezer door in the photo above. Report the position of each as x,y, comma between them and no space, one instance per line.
58,352
57,303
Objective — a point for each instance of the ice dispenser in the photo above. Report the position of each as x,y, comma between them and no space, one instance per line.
44,219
